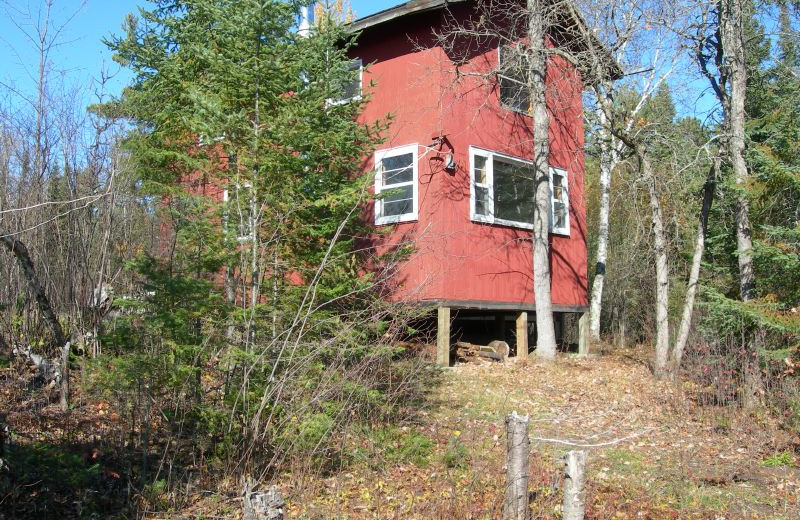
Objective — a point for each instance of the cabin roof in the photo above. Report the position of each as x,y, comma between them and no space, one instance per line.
613,70
398,11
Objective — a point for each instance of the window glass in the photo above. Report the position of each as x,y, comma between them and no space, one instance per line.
480,177
559,203
351,89
513,191
398,169
513,80
398,201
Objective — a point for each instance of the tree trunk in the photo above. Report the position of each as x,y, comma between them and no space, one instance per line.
574,505
5,480
694,273
546,336
660,367
19,250
518,445
731,20
608,150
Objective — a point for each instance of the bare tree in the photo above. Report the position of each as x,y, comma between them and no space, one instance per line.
60,204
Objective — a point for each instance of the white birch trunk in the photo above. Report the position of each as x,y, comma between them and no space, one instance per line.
608,148
694,273
63,400
662,270
545,337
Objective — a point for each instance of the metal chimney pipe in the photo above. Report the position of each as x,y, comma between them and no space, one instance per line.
306,20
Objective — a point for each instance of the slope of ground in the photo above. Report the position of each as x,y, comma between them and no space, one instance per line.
654,453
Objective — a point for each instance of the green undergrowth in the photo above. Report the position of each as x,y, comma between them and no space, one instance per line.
391,445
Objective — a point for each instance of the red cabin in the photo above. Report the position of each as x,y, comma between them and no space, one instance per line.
457,160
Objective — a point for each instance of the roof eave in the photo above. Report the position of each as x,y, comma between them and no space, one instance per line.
415,6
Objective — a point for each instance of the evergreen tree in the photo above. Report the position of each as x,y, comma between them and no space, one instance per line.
230,103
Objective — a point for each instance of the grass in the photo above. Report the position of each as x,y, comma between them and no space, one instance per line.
626,462
784,458
394,445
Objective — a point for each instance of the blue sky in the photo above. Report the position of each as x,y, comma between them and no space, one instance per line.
80,56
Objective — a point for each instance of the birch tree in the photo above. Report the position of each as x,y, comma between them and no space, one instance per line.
631,42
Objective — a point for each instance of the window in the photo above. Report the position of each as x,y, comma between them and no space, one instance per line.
559,202
351,89
513,79
502,189
503,192
396,185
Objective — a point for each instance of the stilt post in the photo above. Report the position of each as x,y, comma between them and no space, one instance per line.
522,335
583,334
443,337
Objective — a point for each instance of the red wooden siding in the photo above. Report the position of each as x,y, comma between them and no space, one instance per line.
456,258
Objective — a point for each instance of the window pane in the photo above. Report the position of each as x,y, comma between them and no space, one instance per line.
481,200
480,169
513,192
398,168
514,95
558,187
559,215
512,64
398,201
352,87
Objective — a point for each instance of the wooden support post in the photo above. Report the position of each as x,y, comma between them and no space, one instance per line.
522,335
583,334
443,337
574,505
518,446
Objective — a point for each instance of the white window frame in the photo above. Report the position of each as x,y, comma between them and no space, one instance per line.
489,218
564,231
379,186
358,96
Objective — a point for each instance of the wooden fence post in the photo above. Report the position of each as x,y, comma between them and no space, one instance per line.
574,505
517,505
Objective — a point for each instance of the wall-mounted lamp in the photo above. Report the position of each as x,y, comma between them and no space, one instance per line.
449,161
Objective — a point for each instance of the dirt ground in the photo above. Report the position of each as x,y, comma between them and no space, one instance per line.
654,453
